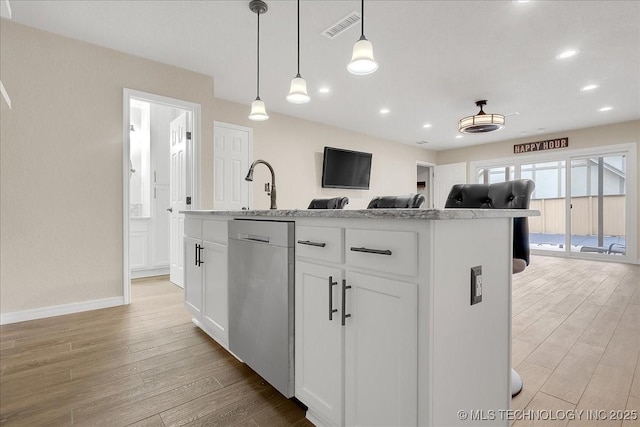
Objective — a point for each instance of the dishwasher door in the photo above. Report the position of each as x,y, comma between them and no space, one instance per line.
261,297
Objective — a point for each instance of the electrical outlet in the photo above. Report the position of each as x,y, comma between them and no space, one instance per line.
476,284
267,187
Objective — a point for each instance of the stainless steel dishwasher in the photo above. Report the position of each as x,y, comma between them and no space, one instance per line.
261,298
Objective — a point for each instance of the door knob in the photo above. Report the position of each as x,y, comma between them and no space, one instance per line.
170,210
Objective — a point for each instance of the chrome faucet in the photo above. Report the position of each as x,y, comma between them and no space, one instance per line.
249,178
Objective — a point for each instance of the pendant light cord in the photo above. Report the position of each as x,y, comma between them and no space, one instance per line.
258,55
298,39
362,37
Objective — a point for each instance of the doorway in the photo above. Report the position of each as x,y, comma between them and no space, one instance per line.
160,178
424,183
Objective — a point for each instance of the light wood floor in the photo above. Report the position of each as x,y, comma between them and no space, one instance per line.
576,339
576,343
144,365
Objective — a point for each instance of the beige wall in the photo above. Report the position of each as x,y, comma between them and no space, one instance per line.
294,148
61,163
600,136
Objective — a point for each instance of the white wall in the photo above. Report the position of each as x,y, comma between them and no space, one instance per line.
61,163
294,148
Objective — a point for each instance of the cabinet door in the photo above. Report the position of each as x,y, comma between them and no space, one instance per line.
318,343
192,277
215,312
381,367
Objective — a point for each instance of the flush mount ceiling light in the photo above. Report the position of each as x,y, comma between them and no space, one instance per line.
362,61
481,122
258,110
298,92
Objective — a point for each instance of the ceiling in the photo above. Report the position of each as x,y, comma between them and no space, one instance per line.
436,59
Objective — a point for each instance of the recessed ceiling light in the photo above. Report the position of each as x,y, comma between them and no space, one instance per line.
589,87
426,125
324,89
458,136
385,111
540,130
606,108
567,54
521,1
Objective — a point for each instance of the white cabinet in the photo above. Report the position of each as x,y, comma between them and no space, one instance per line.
318,342
215,312
205,276
381,352
356,335
193,286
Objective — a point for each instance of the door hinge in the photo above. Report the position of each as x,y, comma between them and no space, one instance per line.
188,135
188,200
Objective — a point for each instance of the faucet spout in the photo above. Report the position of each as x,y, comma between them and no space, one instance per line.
249,178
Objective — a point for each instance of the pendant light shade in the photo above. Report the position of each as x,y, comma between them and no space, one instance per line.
298,91
481,122
258,110
362,61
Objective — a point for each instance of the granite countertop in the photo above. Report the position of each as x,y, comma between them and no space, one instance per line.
416,214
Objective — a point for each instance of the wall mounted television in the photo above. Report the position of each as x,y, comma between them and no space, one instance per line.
346,169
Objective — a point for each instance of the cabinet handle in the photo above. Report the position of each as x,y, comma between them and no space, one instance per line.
372,251
196,257
331,309
200,262
309,243
344,301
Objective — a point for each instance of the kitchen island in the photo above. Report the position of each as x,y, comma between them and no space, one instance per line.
385,329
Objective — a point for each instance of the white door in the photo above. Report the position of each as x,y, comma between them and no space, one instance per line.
231,160
178,190
445,177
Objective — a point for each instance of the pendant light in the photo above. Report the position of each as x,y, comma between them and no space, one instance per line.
258,110
298,92
481,122
362,61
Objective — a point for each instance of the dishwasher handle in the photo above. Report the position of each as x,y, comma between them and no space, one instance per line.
253,238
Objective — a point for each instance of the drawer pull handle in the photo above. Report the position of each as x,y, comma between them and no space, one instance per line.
331,309
344,301
372,251
310,243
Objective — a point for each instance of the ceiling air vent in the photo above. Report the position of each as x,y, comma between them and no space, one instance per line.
422,142
342,25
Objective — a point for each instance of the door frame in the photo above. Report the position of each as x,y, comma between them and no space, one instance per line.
249,130
193,166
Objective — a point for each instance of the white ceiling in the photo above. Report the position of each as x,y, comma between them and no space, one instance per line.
436,58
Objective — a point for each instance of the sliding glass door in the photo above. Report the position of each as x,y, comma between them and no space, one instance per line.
598,204
582,197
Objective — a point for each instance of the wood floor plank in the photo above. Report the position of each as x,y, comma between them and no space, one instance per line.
571,377
546,405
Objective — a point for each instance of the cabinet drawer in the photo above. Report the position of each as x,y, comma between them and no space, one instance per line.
323,243
215,231
193,228
388,251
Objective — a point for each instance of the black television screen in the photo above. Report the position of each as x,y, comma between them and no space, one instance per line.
346,169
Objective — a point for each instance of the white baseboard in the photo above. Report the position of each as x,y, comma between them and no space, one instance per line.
160,271
59,310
